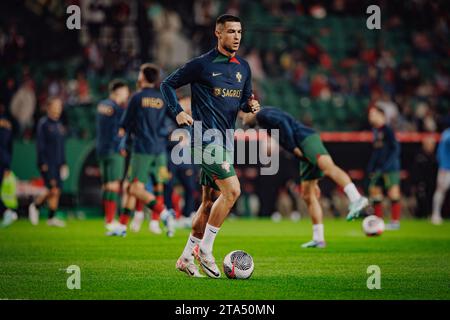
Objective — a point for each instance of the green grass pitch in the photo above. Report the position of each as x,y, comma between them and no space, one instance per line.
414,262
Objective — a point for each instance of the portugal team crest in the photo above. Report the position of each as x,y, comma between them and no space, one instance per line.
226,166
238,76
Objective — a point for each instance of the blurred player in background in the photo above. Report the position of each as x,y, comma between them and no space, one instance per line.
315,162
6,143
183,173
443,177
221,86
51,163
110,146
143,118
384,167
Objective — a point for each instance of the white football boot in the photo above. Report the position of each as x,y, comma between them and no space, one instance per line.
207,263
55,222
154,227
9,216
120,230
188,266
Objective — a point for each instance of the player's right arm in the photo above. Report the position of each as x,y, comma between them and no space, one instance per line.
186,74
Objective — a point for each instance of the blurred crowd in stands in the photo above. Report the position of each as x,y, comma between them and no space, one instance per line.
116,36
322,50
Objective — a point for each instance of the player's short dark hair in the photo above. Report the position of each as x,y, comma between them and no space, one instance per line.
116,84
150,72
227,18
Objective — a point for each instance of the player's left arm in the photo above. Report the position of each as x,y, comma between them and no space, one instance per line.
248,101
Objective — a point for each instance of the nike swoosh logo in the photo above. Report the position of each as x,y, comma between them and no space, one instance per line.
214,273
213,231
191,273
216,74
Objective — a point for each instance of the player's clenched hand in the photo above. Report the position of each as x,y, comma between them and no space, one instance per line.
253,104
44,168
123,153
183,118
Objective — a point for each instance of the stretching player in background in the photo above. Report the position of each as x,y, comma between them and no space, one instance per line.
384,167
221,86
51,163
143,119
110,147
6,142
315,162
443,177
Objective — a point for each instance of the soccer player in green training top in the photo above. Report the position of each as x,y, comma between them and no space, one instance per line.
315,162
221,86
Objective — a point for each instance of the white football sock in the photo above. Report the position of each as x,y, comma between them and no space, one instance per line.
318,233
351,192
191,243
208,238
139,215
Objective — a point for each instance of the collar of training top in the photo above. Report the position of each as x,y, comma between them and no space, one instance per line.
223,58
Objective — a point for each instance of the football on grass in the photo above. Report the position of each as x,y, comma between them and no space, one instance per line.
238,264
373,226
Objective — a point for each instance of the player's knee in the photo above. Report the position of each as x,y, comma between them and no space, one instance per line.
134,188
395,196
309,192
207,205
309,196
329,168
233,194
325,162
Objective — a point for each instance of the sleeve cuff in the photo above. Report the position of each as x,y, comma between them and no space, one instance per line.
245,107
